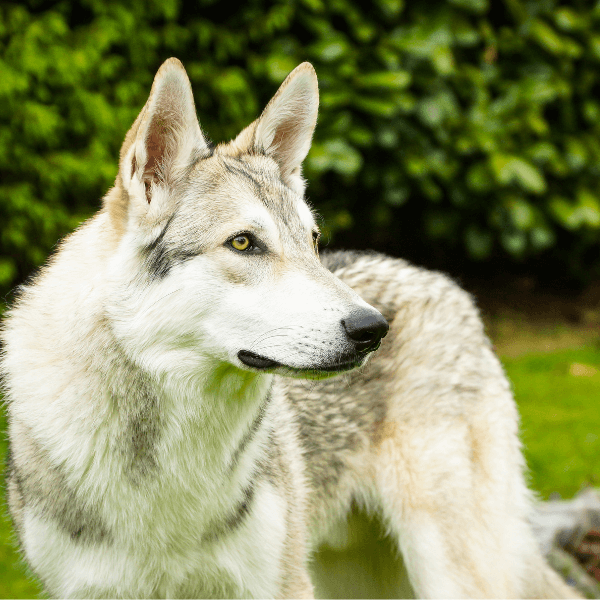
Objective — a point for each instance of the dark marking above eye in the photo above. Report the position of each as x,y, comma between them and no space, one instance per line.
156,255
159,256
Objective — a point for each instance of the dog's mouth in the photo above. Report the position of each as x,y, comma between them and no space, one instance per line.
262,363
256,361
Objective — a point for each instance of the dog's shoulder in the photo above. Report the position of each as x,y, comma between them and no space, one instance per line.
395,286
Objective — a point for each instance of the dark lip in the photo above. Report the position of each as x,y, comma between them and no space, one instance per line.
256,361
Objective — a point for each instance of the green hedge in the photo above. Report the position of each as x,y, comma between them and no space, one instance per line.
467,127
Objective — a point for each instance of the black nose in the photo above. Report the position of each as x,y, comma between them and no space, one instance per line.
365,328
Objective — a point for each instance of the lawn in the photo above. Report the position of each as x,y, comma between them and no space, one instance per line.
558,394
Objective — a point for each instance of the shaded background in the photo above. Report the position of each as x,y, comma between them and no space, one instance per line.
460,134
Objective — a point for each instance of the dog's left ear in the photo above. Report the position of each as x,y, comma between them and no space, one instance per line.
285,128
163,141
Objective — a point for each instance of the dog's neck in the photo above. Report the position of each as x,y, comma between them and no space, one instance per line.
210,407
220,404
187,436
186,422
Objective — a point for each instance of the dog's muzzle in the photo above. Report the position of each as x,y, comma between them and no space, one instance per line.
364,330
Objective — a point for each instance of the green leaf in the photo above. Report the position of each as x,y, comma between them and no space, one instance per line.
391,80
376,106
431,112
343,220
594,45
564,212
588,208
509,169
423,39
585,211
465,34
546,37
335,155
387,137
576,153
397,196
8,270
315,5
319,159
329,51
279,66
443,60
392,8
567,19
361,136
335,99
514,242
431,189
542,238
521,212
543,152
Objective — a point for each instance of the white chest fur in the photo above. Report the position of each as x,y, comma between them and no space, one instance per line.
242,563
200,520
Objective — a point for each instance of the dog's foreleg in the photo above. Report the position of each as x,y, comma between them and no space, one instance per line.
295,581
439,567
298,585
462,533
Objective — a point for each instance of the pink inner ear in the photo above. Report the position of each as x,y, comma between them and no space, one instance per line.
156,146
285,137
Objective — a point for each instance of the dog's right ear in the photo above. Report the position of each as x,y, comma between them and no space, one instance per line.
285,128
165,137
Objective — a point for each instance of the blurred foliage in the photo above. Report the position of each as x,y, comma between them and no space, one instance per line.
466,128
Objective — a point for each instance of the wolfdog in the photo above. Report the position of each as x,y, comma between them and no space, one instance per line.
164,440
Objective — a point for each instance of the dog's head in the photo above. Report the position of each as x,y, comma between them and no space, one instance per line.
217,248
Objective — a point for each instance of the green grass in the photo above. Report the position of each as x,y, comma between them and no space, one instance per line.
560,419
560,430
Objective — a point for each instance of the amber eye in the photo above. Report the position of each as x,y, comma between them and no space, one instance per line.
241,242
